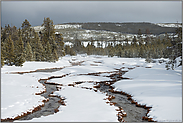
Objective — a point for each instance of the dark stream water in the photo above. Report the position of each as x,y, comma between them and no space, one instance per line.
134,114
49,107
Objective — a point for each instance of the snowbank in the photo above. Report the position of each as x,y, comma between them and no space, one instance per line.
156,87
18,94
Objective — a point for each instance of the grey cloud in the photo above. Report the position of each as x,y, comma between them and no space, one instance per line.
88,11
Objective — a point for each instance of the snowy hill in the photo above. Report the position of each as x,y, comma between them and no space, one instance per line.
169,24
103,32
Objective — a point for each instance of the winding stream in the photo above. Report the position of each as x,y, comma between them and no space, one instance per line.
49,107
134,113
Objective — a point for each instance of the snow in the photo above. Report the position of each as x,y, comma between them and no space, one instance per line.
156,87
31,66
63,26
68,43
82,106
169,24
71,79
102,44
18,94
117,24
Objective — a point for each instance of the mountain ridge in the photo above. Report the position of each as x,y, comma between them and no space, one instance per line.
128,27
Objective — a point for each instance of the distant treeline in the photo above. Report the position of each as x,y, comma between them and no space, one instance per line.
130,27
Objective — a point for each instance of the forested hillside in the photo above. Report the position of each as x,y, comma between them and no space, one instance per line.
46,42
130,27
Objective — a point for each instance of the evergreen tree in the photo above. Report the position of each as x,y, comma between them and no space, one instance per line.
67,49
3,34
14,33
39,53
48,30
55,56
119,52
28,53
134,41
60,45
19,58
48,53
3,48
37,48
26,32
10,51
2,59
89,50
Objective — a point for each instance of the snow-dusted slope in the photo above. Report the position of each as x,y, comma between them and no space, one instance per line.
169,24
61,26
73,31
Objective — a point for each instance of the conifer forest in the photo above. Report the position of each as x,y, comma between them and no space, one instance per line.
25,44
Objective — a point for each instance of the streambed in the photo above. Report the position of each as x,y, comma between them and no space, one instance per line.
134,113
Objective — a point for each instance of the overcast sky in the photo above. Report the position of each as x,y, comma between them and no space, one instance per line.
15,12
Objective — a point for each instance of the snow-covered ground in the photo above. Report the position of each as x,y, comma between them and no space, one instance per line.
169,24
82,106
155,86
18,94
61,26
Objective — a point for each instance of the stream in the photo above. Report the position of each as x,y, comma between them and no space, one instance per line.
49,107
134,113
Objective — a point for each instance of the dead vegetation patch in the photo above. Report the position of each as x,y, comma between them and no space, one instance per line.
40,70
97,61
93,65
24,114
76,63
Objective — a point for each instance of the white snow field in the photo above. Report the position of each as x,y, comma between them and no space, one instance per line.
169,24
154,86
18,94
82,106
